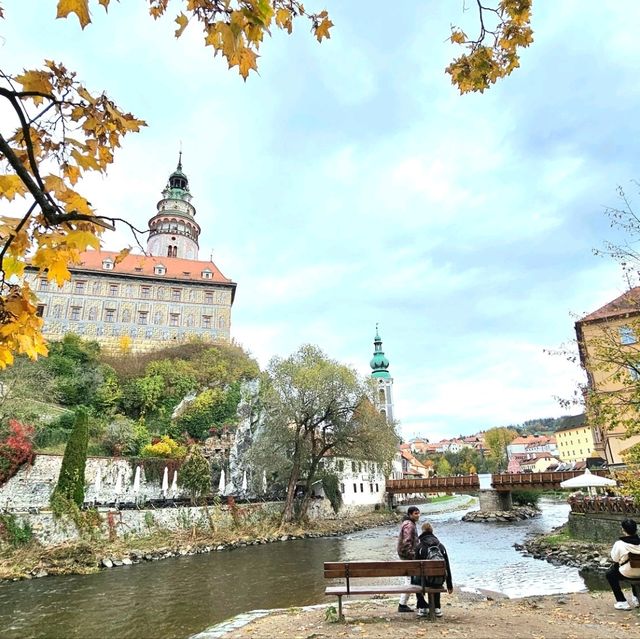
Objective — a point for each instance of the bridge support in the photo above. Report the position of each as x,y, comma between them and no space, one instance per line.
492,500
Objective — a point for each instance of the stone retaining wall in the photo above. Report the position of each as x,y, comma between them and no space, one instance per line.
597,527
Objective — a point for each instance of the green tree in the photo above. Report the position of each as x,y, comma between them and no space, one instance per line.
315,407
497,440
195,474
443,467
71,479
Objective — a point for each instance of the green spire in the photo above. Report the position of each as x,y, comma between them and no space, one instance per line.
379,363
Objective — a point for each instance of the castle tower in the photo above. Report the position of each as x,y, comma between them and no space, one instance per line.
380,372
173,231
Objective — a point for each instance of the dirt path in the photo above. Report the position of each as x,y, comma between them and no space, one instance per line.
574,616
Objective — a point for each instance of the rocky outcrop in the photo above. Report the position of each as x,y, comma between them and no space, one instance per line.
579,554
517,514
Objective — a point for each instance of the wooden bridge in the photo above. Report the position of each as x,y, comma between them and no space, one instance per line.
501,482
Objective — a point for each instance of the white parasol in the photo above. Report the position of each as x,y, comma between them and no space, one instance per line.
244,482
165,481
136,480
118,487
223,483
587,480
97,483
174,483
264,481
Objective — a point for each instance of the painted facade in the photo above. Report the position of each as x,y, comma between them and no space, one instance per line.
614,326
576,443
142,302
362,483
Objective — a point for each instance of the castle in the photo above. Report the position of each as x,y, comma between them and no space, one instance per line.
147,301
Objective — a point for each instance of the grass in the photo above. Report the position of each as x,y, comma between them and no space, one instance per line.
440,499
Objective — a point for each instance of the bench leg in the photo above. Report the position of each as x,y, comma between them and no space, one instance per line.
340,615
432,607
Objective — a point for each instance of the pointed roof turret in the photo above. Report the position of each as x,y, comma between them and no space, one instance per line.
379,363
178,180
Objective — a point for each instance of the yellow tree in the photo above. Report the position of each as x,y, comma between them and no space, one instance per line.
59,130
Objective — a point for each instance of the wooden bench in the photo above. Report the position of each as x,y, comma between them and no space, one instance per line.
349,570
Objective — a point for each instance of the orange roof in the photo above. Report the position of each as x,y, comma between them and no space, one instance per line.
625,304
177,268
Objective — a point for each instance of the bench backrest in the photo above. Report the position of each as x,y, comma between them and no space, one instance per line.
634,560
401,568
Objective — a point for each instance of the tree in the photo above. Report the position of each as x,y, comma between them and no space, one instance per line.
71,479
316,407
59,130
195,474
497,440
443,467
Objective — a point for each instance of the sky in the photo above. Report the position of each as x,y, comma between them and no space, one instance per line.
350,184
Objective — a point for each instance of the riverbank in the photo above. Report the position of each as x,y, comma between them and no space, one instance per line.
467,616
560,549
89,555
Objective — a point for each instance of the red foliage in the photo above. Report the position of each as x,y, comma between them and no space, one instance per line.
16,449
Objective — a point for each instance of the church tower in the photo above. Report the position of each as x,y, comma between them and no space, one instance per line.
173,230
380,372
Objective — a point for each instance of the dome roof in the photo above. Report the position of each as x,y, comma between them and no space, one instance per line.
379,363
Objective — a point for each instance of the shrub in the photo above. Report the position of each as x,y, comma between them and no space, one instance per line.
195,474
123,436
331,487
16,449
14,532
525,497
167,448
71,480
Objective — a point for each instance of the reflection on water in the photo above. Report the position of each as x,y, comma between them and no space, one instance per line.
178,597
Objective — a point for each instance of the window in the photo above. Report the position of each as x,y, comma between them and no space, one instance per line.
377,488
174,319
634,373
113,289
145,292
110,315
627,335
40,310
80,287
353,467
142,317
206,321
355,488
208,298
75,313
341,465
107,265
342,488
370,488
159,269
361,488
175,294
359,467
44,284
206,274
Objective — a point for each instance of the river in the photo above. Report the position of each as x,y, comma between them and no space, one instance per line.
176,598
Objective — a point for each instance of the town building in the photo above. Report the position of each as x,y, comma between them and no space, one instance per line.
575,443
141,302
531,444
384,382
608,346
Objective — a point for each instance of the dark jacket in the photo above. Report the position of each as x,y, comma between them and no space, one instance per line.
424,541
407,539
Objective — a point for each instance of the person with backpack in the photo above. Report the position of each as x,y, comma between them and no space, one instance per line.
621,569
429,547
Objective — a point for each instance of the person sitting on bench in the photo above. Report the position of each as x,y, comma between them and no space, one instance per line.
621,569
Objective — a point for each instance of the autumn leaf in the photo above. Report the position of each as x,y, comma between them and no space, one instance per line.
38,81
322,30
79,7
121,255
10,186
182,21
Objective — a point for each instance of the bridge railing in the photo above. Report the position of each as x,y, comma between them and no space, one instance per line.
432,484
532,479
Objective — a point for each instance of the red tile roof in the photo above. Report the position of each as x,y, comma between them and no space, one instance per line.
177,268
628,302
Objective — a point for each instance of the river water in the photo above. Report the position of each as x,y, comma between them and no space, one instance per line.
176,598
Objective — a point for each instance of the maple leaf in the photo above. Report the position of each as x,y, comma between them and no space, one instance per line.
322,30
79,7
39,81
10,186
120,256
182,21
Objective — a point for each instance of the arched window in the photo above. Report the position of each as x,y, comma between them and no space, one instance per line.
175,251
381,396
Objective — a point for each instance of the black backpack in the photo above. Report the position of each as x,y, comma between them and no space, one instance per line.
432,552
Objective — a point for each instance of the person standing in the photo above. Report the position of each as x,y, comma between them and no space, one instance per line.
407,542
426,541
629,542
